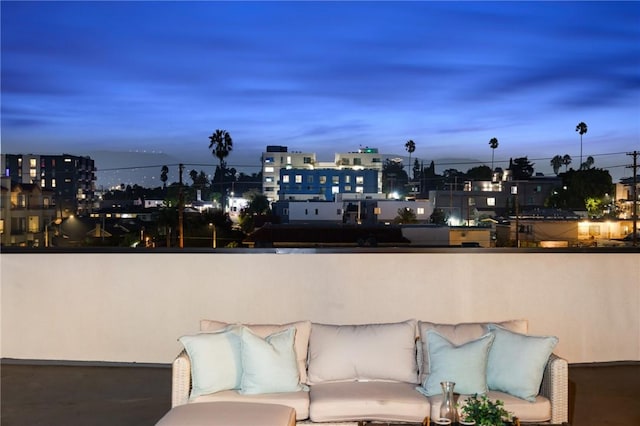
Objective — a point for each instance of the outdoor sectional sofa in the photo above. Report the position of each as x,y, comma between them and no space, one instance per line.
374,372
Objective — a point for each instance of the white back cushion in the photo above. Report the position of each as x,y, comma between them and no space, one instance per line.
379,352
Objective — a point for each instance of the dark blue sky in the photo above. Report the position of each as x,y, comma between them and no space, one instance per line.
324,77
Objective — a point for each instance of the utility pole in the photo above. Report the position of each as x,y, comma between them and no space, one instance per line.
634,217
181,210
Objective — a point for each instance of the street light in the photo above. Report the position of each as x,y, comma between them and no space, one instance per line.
56,221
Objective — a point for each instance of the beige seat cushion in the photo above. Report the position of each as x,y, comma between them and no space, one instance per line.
376,401
300,341
299,401
530,412
229,414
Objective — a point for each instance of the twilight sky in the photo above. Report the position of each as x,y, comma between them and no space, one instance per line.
324,77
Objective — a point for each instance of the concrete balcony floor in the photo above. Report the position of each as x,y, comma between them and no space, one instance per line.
44,394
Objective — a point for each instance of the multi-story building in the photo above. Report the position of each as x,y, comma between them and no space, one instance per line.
325,184
277,158
71,178
26,212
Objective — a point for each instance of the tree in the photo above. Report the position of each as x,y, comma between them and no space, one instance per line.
581,128
556,162
410,146
521,168
566,160
439,217
405,215
221,145
193,174
416,169
479,173
493,143
587,164
394,178
164,176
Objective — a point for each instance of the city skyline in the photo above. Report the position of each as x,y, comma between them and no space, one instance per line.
80,77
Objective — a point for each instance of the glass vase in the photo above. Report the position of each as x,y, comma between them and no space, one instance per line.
448,407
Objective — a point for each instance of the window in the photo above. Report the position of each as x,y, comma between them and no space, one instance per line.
359,189
347,179
420,210
359,180
67,160
53,183
32,163
310,178
268,179
316,212
347,187
298,178
335,180
344,161
323,180
285,211
376,160
285,178
268,159
307,160
22,200
338,212
269,169
42,183
357,161
491,201
34,223
33,173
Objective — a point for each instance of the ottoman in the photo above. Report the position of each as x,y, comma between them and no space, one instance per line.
229,414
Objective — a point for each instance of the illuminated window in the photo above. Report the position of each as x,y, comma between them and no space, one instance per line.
359,180
34,223
347,187
269,169
42,183
268,179
67,160
359,189
420,210
347,179
298,178
33,173
285,178
268,160
323,180
491,201
335,180
53,183
32,162
335,189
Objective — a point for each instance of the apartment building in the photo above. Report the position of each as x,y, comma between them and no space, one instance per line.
277,158
71,178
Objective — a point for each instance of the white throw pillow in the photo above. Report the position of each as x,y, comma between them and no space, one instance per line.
215,361
517,362
301,339
269,364
385,352
466,365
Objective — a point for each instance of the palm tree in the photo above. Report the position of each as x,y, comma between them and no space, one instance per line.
410,146
566,160
164,176
493,143
582,129
587,163
556,162
221,145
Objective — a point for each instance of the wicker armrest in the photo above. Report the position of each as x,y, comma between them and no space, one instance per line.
180,379
555,386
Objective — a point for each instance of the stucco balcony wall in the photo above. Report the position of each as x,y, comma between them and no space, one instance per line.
132,307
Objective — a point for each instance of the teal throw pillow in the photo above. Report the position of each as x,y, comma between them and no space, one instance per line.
466,365
269,365
517,362
215,361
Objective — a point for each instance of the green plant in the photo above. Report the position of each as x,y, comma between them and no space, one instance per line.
484,411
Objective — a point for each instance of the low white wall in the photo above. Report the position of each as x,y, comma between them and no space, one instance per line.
131,307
